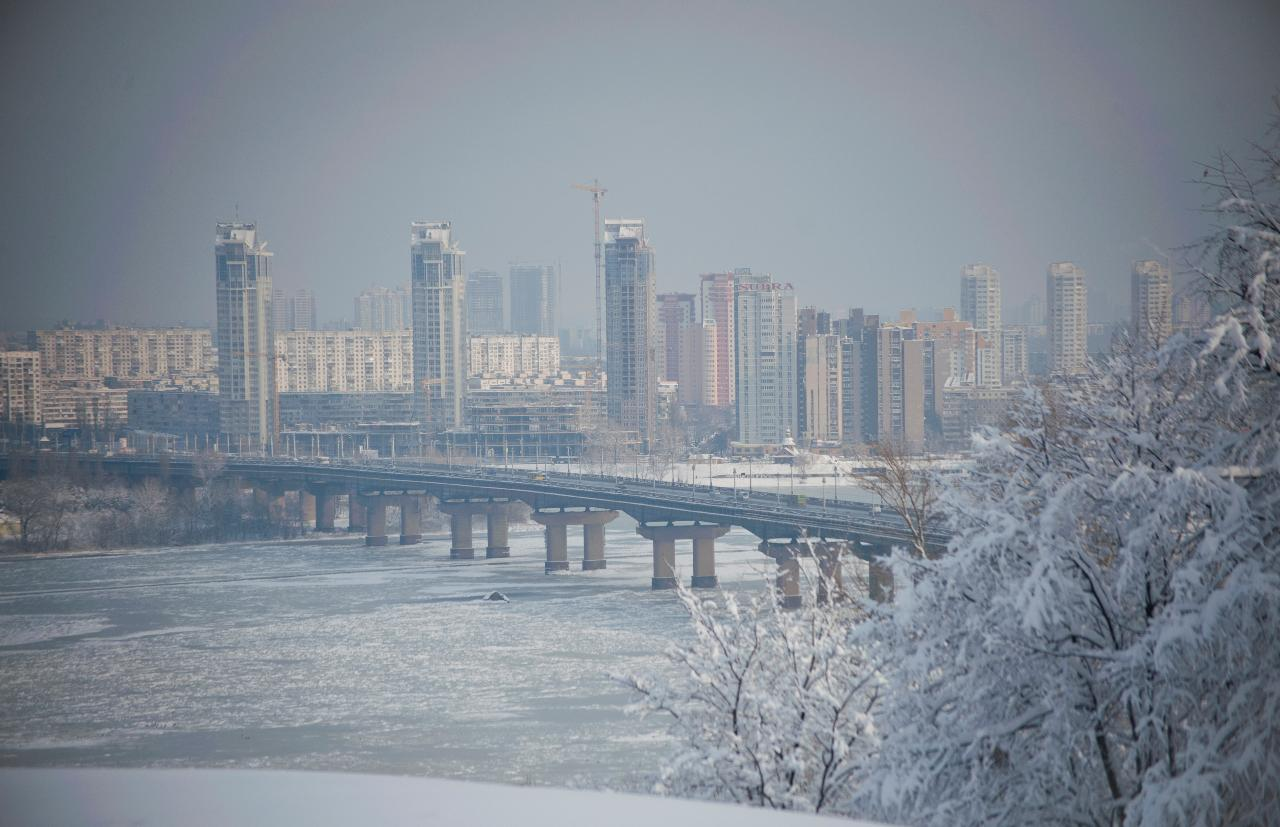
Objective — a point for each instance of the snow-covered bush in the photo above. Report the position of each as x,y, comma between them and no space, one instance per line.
772,708
1102,644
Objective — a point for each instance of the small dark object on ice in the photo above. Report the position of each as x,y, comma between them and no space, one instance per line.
498,596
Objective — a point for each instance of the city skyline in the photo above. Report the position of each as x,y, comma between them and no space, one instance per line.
1022,179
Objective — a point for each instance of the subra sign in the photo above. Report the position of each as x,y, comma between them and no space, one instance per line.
776,285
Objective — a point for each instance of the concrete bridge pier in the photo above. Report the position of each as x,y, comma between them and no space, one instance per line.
376,522
593,523
830,573
460,517
879,581
307,503
664,539
357,519
557,524
787,556
410,519
326,509
497,522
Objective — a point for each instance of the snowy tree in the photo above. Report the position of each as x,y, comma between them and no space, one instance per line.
1099,646
771,708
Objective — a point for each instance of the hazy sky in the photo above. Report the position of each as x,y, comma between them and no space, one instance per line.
863,151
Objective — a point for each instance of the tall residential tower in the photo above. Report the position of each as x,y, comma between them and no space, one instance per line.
631,346
765,318
247,398
980,304
1067,319
1151,297
534,295
439,325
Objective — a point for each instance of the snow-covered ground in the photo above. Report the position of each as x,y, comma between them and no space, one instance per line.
327,655
193,798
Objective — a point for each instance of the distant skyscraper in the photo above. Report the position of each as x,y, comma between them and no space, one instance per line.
823,389
631,349
439,325
980,304
1067,319
900,375
246,346
676,313
718,309
380,308
765,319
484,302
1151,302
1013,342
534,295
293,310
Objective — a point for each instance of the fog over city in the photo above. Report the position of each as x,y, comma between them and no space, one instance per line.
548,413
863,151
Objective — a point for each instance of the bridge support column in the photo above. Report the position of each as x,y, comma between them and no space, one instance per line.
376,528
879,582
326,507
460,519
410,519
830,573
558,522
357,518
664,539
307,501
787,556
496,525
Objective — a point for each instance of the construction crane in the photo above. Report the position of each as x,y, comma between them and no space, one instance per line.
597,192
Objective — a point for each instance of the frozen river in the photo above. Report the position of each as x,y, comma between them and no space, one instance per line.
328,655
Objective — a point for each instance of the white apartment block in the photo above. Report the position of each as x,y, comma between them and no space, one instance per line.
766,363
980,304
1013,342
1151,297
512,355
823,389
20,387
1067,319
345,361
126,353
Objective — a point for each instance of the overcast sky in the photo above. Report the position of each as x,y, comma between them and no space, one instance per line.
863,151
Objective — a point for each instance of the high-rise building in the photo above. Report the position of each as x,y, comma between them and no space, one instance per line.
514,355
1014,362
980,304
293,310
767,385
534,299
20,387
382,308
1067,319
851,388
345,361
484,302
630,341
717,305
822,390
1151,302
900,374
675,313
439,325
127,353
246,348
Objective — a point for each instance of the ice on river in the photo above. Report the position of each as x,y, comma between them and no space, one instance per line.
328,655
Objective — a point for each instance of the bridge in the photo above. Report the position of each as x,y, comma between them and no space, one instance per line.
789,528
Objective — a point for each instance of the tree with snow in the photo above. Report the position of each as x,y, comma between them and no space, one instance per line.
772,708
1099,647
